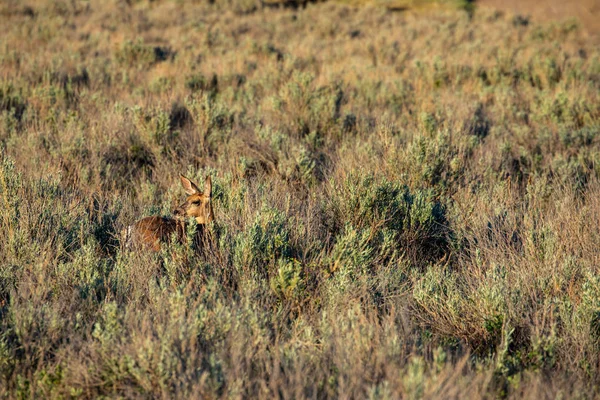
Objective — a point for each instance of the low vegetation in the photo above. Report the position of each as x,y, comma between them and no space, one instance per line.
406,205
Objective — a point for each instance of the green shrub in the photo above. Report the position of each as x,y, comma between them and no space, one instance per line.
141,55
406,204
390,215
126,162
288,283
259,247
12,101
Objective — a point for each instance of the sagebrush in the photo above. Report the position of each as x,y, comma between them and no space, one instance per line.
406,205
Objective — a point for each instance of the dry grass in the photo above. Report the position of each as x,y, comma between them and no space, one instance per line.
587,12
407,204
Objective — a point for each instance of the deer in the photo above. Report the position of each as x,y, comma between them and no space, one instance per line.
152,232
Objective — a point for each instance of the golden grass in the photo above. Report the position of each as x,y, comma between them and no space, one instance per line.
407,203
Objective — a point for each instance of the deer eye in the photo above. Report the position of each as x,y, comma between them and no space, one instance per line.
196,203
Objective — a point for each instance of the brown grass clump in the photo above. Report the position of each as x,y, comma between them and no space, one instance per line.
406,204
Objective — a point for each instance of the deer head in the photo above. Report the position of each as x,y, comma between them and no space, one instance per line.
197,204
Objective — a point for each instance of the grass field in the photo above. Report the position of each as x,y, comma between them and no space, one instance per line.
407,203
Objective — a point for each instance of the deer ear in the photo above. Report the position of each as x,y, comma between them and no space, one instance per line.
208,186
189,186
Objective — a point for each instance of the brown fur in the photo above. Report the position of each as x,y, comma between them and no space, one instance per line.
151,232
